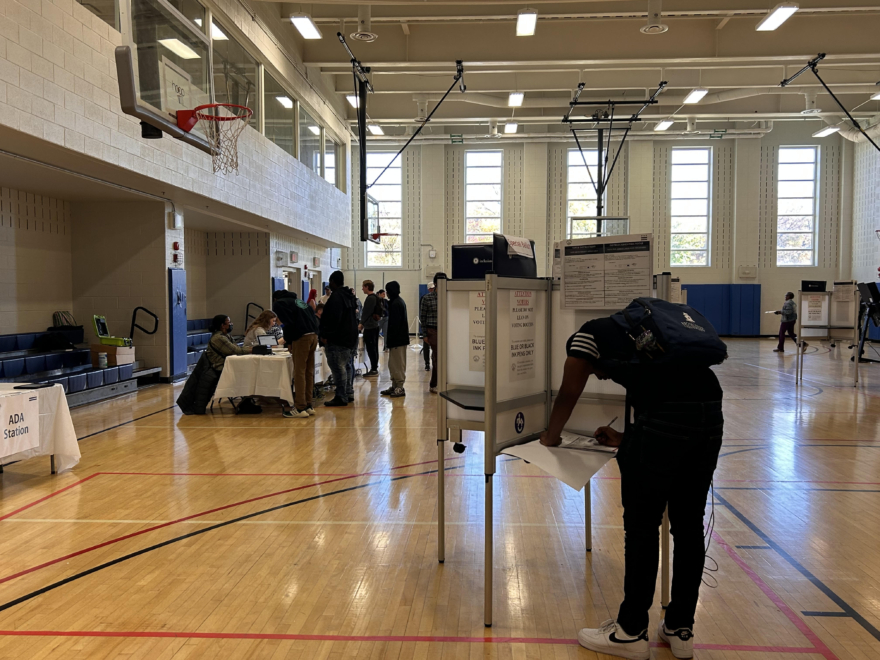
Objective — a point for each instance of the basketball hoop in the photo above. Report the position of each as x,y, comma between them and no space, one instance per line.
221,131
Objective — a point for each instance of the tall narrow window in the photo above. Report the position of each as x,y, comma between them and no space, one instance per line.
388,192
280,111
483,194
309,141
581,193
331,155
690,206
235,73
796,207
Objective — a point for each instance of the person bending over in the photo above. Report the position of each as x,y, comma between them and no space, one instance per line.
666,457
398,340
301,335
338,334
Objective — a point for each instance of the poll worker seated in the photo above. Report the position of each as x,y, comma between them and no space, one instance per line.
202,382
667,457
263,325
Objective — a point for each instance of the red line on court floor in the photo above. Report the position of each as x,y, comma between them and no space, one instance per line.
49,496
799,623
194,515
374,638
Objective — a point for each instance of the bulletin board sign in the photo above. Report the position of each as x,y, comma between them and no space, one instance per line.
606,272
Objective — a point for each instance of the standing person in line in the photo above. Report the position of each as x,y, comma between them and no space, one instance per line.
338,334
426,345
383,322
301,337
428,316
313,299
667,457
789,317
369,325
398,340
323,299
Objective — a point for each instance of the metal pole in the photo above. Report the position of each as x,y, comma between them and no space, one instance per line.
588,515
362,152
664,560
600,181
490,395
442,425
487,586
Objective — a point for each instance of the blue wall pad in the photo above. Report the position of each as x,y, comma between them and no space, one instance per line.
733,309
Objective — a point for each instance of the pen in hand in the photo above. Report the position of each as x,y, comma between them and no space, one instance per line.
612,421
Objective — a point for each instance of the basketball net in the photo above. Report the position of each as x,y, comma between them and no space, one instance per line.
222,124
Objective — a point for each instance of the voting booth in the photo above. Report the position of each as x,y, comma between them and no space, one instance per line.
502,383
828,315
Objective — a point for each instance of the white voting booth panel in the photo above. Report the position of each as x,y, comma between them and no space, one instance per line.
828,315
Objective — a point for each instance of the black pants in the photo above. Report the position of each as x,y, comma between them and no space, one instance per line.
667,458
371,344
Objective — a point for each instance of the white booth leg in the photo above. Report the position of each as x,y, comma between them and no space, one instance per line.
441,501
588,515
664,560
489,523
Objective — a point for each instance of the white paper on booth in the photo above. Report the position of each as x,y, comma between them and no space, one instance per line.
522,335
583,443
814,309
557,260
572,467
627,269
583,276
477,331
20,415
518,246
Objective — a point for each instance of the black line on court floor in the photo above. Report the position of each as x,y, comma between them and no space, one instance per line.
739,451
124,423
800,490
831,614
753,547
821,586
143,551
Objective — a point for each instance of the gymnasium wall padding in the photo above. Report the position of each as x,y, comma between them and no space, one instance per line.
734,309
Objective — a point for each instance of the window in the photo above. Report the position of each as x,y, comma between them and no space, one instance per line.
331,155
309,141
690,210
388,191
235,73
106,10
482,177
796,206
581,200
280,124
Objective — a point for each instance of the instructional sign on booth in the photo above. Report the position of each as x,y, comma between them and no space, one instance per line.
522,335
477,331
20,415
606,272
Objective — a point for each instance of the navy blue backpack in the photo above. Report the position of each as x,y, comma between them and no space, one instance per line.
666,332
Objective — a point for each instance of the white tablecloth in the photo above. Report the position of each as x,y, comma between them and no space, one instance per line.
256,375
57,435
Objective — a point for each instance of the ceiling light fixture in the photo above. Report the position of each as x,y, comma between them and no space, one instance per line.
285,101
306,26
695,96
876,97
777,16
510,127
216,33
526,20
663,125
375,129
180,49
515,99
828,130
352,100
655,15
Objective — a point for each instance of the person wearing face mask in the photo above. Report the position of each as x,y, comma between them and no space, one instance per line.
667,457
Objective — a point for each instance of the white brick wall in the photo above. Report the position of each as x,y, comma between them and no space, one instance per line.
35,270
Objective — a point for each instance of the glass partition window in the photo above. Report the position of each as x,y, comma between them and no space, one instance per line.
172,57
331,157
235,73
581,199
388,192
796,206
106,10
280,126
690,207
309,141
483,195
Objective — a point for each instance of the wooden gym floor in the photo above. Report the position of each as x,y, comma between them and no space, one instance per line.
263,537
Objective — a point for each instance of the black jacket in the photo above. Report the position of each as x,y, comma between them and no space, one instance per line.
339,322
296,316
398,323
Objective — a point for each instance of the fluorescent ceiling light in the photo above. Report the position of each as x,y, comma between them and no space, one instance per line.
663,125
876,97
510,127
180,49
777,16
526,19
695,96
315,130
306,26
352,100
515,99
375,129
828,130
285,101
216,33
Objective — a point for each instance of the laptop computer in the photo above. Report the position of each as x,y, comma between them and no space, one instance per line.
267,340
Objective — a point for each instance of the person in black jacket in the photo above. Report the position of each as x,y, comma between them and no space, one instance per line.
338,334
369,325
397,340
301,338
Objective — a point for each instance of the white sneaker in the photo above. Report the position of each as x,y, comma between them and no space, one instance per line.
612,640
310,411
300,414
680,641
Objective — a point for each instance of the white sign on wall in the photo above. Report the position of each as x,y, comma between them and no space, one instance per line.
477,331
20,415
522,335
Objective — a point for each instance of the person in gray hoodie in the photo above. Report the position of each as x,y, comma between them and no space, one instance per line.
789,317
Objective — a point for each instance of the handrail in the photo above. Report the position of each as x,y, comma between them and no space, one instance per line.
139,327
247,313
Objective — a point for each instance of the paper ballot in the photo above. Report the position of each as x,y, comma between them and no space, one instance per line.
573,467
583,443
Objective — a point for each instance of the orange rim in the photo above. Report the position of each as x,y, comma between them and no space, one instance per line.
203,116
